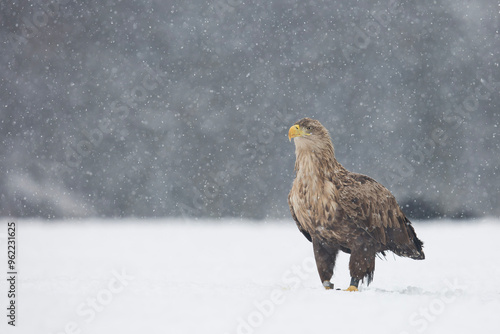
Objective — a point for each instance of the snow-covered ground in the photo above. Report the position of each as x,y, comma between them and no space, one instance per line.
242,277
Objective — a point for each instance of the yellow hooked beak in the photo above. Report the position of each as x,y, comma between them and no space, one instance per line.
296,131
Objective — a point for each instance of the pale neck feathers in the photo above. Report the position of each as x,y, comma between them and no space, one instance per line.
316,157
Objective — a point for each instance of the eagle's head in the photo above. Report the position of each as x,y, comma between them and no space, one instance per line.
310,136
312,145
308,129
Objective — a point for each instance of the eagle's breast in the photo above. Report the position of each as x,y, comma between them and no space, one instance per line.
313,196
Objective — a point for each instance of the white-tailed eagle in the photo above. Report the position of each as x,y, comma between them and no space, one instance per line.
342,211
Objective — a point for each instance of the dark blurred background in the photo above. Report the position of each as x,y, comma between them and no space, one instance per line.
181,108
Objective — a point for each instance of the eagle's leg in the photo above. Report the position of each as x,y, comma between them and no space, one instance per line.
325,261
361,265
354,285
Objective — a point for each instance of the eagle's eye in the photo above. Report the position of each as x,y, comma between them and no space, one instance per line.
309,128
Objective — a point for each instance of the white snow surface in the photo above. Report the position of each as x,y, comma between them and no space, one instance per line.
172,276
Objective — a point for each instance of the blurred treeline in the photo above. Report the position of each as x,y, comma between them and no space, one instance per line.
169,108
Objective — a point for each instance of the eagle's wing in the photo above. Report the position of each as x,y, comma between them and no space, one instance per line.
373,208
301,229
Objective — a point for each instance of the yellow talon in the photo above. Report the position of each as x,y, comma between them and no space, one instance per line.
351,288
328,285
